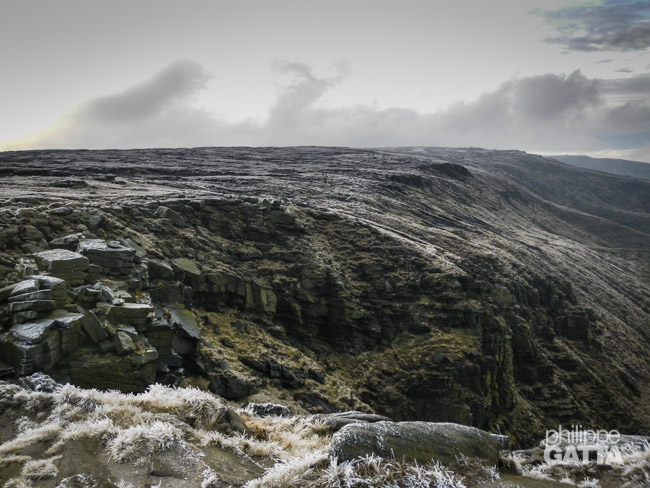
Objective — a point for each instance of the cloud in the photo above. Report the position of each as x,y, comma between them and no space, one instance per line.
609,25
154,112
548,113
174,84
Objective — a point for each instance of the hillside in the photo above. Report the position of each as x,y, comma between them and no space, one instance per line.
623,167
488,288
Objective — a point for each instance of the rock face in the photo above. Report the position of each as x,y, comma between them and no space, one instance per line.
414,441
98,334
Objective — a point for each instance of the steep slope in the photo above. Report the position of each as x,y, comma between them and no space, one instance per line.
491,288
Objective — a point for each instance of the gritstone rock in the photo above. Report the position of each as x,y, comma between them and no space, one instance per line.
414,441
64,264
113,258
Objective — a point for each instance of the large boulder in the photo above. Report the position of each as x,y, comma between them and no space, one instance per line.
39,345
31,347
159,269
112,257
186,267
136,314
414,441
63,263
37,294
109,371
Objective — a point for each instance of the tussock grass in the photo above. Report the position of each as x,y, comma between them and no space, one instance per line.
318,470
143,439
40,469
135,426
633,471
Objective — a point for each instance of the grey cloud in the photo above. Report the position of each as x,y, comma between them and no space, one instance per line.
301,93
155,113
635,88
613,25
548,97
549,113
172,85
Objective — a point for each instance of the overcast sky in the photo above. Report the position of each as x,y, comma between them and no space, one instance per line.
545,76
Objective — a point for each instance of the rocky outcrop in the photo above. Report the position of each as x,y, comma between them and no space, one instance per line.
81,325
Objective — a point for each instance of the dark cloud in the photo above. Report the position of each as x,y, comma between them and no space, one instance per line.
636,86
172,85
548,113
612,25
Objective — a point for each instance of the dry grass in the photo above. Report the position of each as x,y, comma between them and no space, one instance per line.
633,471
318,470
132,427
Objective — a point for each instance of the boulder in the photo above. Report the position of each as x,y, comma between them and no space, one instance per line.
235,422
94,327
160,270
268,409
95,220
140,252
62,263
31,347
187,267
114,297
54,295
123,342
70,326
90,368
61,211
232,387
414,441
71,243
50,282
26,286
113,258
184,321
32,333
35,296
31,233
171,215
35,306
39,382
136,314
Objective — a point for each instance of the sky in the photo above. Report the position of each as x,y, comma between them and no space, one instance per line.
544,76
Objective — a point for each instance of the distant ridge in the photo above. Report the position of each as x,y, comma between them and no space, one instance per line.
623,167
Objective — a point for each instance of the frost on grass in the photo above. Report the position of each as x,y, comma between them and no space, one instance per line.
40,469
143,439
321,471
132,427
633,471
